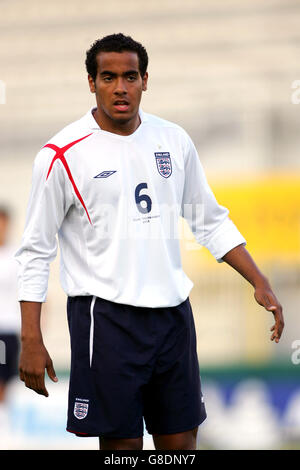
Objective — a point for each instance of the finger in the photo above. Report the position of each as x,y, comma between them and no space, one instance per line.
21,375
51,372
274,335
279,321
28,381
35,383
274,329
40,385
276,338
277,328
42,391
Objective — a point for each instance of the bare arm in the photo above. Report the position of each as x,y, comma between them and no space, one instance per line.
34,358
240,259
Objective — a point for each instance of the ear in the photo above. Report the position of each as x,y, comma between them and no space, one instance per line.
91,84
145,81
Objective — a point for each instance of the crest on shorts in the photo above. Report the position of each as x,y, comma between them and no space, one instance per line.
163,163
80,409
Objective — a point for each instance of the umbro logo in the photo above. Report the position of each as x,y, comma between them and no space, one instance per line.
105,174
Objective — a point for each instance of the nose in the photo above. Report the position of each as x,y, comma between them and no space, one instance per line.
120,86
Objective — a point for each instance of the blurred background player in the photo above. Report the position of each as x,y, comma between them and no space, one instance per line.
9,314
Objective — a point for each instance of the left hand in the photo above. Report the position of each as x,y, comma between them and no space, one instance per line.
265,297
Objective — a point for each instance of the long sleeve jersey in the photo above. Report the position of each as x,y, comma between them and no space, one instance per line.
114,203
9,308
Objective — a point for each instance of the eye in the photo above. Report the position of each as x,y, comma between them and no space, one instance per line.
107,79
131,78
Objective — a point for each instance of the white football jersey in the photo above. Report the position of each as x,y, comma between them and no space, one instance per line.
9,307
115,203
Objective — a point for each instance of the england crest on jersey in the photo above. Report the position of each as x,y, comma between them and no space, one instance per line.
80,409
163,163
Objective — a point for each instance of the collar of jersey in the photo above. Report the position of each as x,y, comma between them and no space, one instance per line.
93,125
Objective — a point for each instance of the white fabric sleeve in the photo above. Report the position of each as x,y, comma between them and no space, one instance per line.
49,201
208,220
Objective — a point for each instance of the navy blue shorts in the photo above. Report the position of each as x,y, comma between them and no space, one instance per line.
130,363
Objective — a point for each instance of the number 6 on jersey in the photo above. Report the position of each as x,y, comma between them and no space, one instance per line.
142,197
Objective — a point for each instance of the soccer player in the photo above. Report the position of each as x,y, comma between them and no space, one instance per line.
9,316
112,184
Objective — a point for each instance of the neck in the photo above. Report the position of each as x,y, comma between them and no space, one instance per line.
116,127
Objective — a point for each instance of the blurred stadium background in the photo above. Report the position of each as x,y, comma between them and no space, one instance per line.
226,72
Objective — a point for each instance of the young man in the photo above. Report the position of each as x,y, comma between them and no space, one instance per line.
9,316
109,185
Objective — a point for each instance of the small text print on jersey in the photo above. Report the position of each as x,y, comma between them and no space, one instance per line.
105,174
163,163
80,409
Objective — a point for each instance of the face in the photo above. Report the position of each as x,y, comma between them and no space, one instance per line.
118,88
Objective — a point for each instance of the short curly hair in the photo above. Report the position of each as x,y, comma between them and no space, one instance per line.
115,43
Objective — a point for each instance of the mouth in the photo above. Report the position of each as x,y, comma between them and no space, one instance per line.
121,105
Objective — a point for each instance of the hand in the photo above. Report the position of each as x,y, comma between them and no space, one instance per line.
34,359
265,297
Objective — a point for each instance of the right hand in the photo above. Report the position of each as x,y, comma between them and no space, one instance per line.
34,359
